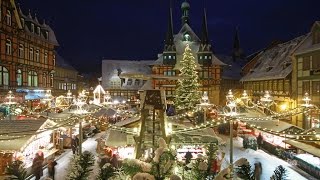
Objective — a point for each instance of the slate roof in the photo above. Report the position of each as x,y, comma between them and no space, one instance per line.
52,37
274,63
11,129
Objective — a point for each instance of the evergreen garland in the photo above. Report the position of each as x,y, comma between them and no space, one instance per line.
81,166
17,171
187,92
280,173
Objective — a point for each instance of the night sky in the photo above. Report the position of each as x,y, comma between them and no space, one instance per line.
91,30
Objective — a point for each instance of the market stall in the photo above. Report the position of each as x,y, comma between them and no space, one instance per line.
21,139
119,143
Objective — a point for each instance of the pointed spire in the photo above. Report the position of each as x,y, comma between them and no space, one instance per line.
35,18
44,23
19,9
205,35
236,42
169,44
237,52
29,15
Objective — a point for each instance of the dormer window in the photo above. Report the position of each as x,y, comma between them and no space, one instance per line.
32,27
316,37
187,37
200,57
38,31
22,22
205,57
47,35
169,57
9,19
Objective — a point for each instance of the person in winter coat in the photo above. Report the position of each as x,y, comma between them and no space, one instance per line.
74,144
37,166
257,170
51,167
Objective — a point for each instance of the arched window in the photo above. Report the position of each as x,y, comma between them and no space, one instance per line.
4,76
37,55
51,80
54,60
9,19
8,47
31,54
32,79
45,58
19,77
21,51
44,80
32,27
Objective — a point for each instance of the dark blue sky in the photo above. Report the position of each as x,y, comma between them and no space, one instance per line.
91,30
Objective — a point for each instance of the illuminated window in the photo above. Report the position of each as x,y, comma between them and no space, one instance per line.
32,28
21,51
8,47
37,55
32,79
22,22
31,54
38,31
19,77
9,19
4,76
54,60
45,57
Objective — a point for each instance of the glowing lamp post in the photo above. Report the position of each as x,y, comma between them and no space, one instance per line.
69,97
204,104
47,99
10,97
81,103
306,99
231,111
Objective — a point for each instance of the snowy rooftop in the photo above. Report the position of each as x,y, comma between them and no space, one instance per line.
307,46
274,63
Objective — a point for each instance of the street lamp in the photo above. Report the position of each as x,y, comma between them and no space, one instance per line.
69,97
81,103
47,99
306,99
231,111
10,102
204,104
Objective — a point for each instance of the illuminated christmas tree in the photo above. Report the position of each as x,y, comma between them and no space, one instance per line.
187,92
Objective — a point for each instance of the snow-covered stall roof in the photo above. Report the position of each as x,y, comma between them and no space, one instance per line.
105,112
99,89
203,136
274,63
115,138
128,121
305,147
278,126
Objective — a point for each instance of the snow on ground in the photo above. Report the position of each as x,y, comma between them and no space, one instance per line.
63,162
269,162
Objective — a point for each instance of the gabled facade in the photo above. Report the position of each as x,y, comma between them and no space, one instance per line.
66,77
272,70
307,75
168,62
27,57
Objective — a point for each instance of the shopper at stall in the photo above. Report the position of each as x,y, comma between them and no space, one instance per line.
74,144
51,167
259,140
257,170
37,165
